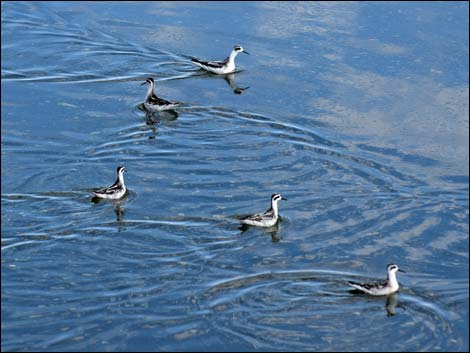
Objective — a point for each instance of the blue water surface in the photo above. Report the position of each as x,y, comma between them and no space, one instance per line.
356,112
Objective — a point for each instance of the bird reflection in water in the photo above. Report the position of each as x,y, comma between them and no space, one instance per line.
274,231
153,119
230,79
391,304
119,210
391,300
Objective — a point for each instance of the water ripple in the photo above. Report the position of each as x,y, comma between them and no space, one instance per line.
167,266
76,50
273,305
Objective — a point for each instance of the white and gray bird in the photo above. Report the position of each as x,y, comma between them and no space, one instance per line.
154,103
220,67
390,285
115,191
266,219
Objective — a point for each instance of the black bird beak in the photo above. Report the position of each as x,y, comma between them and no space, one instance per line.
246,52
143,83
401,270
283,198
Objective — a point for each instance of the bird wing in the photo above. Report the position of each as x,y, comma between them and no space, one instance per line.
110,189
259,216
256,217
158,101
213,64
369,286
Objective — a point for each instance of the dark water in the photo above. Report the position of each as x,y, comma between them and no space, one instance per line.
356,112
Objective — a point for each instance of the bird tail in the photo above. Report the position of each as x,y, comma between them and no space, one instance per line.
196,61
354,284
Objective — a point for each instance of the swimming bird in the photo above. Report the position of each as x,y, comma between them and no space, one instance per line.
115,191
266,219
390,285
152,102
220,67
